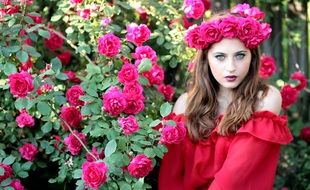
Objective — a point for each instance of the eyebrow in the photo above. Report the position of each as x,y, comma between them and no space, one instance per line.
221,53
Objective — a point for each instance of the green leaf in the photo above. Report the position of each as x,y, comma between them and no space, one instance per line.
97,132
155,123
56,64
44,108
145,65
123,185
165,109
13,49
21,103
56,18
60,100
9,69
9,160
44,33
23,174
31,51
77,174
149,153
139,184
143,81
1,171
9,188
6,182
61,76
22,56
92,69
69,30
110,148
47,127
27,165
91,92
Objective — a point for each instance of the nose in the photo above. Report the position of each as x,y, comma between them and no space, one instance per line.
230,65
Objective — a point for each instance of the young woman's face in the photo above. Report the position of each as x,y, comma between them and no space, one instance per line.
229,61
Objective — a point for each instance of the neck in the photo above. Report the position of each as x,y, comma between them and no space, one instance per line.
224,98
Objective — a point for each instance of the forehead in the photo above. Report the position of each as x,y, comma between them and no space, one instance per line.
227,45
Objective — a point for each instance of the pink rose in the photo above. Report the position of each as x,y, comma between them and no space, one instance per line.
240,9
84,13
155,75
16,184
211,32
229,27
95,152
289,96
304,134
44,89
36,19
193,8
28,151
105,22
133,87
193,38
73,145
73,94
144,52
140,166
54,42
72,77
7,172
128,73
109,45
137,34
128,124
265,30
71,115
24,119
65,57
248,28
94,174
20,84
301,79
167,91
267,66
173,135
142,13
255,13
114,101
135,103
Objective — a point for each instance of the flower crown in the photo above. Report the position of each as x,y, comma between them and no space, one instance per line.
246,26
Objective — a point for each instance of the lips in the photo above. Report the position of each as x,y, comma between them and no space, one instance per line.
231,78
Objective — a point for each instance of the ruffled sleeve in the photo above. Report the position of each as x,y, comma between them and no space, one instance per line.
253,154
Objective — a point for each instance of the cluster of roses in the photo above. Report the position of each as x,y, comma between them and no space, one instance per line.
248,29
8,172
195,8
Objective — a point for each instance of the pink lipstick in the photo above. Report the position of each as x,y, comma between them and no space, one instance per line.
231,78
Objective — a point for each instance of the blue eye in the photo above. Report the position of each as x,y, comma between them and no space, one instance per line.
220,57
240,56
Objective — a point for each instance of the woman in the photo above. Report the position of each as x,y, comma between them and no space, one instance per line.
234,132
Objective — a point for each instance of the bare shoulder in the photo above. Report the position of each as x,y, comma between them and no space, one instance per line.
180,104
272,101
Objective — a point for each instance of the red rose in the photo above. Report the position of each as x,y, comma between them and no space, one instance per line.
229,27
109,45
267,66
173,135
71,115
114,101
20,84
15,183
7,172
73,94
128,73
211,32
72,77
301,79
140,166
28,151
73,145
289,96
167,91
305,134
94,174
65,57
54,42
156,75
135,103
133,88
95,152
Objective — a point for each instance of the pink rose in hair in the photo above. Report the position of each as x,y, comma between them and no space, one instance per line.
128,73
248,28
109,45
267,66
128,124
265,30
94,174
73,94
64,57
20,84
54,42
289,96
135,103
155,75
71,115
44,89
173,135
255,13
137,34
24,119
211,32
84,13
95,152
301,79
167,91
114,101
144,52
133,87
73,145
229,27
140,166
16,184
7,172
240,9
193,38
193,8
28,151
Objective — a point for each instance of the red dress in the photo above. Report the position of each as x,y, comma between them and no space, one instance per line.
246,160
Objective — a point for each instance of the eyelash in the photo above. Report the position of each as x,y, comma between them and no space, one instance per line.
238,56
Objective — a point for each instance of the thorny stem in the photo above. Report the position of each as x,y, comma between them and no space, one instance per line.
69,42
77,137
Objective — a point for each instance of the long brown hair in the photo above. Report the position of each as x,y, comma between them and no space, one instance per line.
202,104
